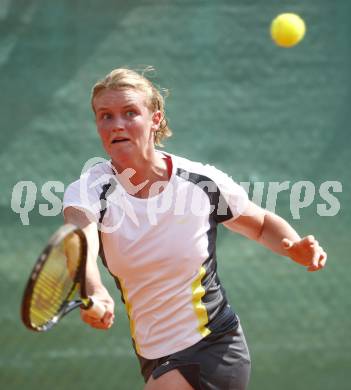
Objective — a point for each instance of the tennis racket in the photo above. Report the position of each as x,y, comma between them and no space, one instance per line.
56,279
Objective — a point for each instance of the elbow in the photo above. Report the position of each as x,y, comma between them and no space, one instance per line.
261,226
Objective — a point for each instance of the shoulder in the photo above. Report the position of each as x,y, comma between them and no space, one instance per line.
214,181
86,191
93,177
203,171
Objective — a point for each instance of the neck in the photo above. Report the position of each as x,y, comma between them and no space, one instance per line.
139,175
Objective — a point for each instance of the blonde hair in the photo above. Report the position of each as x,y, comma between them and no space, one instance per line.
126,78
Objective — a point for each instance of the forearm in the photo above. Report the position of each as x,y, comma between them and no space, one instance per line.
277,235
93,281
274,229
79,218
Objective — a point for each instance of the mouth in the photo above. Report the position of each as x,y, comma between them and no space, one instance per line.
119,140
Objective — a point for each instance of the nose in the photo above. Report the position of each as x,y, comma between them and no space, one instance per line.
118,125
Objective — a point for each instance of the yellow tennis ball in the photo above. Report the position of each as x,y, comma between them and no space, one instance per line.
287,30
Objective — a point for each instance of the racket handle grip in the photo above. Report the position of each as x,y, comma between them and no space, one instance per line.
96,308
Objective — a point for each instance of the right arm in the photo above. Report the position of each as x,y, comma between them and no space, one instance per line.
94,285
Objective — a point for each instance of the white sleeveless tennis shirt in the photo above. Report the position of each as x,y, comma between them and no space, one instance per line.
162,250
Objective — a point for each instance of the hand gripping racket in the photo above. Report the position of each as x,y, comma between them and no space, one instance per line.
57,277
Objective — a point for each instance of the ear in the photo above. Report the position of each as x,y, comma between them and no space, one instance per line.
156,120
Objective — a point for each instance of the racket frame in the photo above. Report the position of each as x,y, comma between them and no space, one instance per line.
68,303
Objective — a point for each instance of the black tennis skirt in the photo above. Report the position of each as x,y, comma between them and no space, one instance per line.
220,361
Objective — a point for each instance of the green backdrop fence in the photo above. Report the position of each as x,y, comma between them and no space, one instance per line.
259,112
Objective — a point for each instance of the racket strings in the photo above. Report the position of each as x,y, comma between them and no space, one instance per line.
56,280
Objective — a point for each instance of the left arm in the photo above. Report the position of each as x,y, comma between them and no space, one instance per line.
277,235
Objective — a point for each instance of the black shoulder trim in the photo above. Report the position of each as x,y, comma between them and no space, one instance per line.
106,190
221,211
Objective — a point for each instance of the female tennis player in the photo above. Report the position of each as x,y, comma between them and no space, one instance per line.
153,218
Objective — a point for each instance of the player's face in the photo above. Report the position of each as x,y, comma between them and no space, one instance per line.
125,124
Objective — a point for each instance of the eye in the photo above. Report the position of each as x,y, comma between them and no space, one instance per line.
131,113
106,116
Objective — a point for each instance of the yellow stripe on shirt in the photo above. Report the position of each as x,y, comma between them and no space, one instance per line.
200,309
129,312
